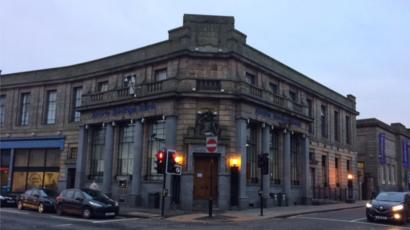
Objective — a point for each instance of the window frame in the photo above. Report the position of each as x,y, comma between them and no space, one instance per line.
51,107
24,116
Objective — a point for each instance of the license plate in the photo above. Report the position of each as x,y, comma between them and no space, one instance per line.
110,214
380,217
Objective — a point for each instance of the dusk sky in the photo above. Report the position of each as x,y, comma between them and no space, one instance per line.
353,47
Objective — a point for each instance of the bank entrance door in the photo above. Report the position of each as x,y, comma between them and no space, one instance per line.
206,177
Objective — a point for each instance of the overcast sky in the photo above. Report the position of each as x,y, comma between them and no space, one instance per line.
359,47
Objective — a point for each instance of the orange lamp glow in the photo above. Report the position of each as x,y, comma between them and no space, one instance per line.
235,162
179,159
349,176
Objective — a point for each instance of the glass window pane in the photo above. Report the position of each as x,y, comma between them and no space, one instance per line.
35,179
51,180
37,157
53,158
21,158
19,181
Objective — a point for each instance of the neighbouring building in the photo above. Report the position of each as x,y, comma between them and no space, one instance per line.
383,157
105,120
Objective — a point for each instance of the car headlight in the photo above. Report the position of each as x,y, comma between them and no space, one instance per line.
368,205
1,197
116,203
95,204
398,207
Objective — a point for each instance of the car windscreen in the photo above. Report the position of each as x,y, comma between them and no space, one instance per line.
390,196
94,195
48,193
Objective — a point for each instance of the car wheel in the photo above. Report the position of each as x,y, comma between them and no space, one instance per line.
20,205
40,208
87,213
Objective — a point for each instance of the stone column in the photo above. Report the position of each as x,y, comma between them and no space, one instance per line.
81,157
136,169
241,149
306,178
170,143
286,164
265,149
108,155
11,167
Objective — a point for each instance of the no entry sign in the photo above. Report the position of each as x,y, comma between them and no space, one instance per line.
211,144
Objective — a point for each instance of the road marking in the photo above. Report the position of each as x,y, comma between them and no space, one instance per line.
69,218
62,225
357,220
113,220
348,221
13,211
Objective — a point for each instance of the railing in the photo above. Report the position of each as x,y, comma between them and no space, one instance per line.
337,193
124,93
210,85
183,85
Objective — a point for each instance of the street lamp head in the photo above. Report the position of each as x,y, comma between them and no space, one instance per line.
349,176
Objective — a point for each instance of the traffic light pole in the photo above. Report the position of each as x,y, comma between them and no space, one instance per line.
163,195
210,202
261,193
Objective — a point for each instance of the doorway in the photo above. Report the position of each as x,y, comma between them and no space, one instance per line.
313,181
70,177
206,177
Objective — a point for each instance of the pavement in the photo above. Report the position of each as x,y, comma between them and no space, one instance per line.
232,216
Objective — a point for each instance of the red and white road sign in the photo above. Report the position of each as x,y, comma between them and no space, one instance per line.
211,144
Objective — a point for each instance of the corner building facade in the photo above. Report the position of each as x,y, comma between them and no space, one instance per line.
113,114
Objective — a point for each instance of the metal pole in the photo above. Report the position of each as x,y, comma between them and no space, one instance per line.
211,188
261,193
163,195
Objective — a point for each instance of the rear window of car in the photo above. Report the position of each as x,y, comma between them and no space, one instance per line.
28,192
391,196
69,194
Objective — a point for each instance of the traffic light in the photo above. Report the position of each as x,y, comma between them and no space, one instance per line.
173,162
160,163
263,163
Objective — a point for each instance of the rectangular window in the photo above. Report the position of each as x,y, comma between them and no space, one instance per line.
274,158
250,79
324,171
251,154
24,108
393,174
310,113
51,107
323,121
293,95
274,88
160,75
125,157
102,86
2,108
337,177
156,142
337,129
72,153
382,174
77,93
348,165
348,130
295,160
97,154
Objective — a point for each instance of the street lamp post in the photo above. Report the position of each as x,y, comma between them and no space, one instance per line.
350,198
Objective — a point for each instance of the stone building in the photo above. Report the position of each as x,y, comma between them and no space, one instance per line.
106,119
383,157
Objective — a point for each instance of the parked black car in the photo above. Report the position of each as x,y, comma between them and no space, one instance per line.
389,206
7,198
87,203
40,199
